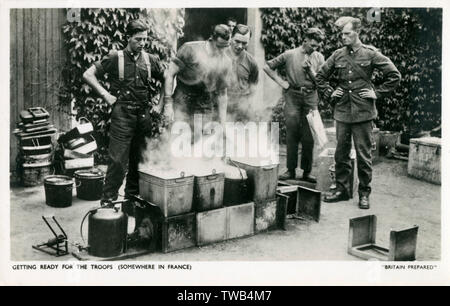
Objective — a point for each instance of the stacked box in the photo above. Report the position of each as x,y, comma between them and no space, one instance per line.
424,161
262,187
172,195
265,215
77,147
225,223
178,232
326,178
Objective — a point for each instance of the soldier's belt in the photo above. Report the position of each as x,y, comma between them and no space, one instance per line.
134,104
302,89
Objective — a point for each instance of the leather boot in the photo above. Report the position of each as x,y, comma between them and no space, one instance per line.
309,178
336,197
288,175
364,202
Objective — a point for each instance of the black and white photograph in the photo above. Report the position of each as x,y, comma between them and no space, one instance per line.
235,143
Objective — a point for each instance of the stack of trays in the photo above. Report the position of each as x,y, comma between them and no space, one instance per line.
77,147
34,133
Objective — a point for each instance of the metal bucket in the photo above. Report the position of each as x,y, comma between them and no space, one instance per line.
89,184
58,190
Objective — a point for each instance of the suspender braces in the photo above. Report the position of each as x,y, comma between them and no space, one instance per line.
122,65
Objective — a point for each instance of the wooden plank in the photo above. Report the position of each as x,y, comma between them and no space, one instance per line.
13,86
27,45
20,61
34,52
50,65
42,61
59,18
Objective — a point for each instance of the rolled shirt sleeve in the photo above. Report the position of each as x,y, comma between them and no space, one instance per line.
277,62
107,64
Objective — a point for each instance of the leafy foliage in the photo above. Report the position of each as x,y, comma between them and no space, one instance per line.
411,38
98,32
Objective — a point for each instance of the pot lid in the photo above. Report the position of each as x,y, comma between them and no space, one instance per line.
58,180
89,173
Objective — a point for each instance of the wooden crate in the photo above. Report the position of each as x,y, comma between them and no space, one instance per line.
424,161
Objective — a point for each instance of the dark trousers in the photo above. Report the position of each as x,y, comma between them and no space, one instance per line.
296,108
363,139
126,141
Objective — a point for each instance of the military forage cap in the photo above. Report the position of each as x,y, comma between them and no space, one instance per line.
315,31
342,21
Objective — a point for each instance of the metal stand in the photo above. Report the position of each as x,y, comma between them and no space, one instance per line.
57,244
307,201
362,238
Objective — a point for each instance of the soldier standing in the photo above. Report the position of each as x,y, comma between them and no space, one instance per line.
301,96
355,108
129,72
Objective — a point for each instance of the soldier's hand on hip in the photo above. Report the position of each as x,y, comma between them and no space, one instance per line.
367,93
337,93
109,98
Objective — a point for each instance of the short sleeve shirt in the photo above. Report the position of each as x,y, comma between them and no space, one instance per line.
135,85
201,66
245,73
292,61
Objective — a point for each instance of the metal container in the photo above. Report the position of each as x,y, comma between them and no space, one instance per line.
326,176
240,220
174,196
235,187
33,174
178,232
211,226
107,232
225,223
262,180
208,191
89,184
265,215
424,161
58,190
